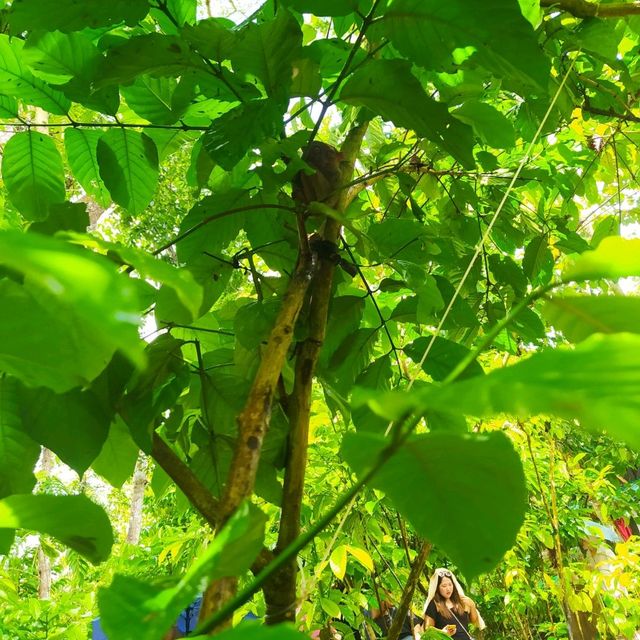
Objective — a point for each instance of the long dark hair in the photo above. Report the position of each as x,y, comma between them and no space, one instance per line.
441,603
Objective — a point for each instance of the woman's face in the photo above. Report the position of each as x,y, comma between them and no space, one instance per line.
445,587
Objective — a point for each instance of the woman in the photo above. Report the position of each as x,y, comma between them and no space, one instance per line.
448,609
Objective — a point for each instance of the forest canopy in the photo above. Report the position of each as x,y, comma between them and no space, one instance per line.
304,298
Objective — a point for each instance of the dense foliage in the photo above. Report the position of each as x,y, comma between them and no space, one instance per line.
422,332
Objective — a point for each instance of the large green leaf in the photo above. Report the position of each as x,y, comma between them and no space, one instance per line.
490,125
389,89
211,235
153,54
85,288
117,458
597,383
57,57
443,357
267,51
244,127
151,99
74,15
133,610
323,7
128,163
81,146
9,108
465,493
18,452
434,34
580,316
187,293
73,425
17,81
64,356
73,520
614,257
33,173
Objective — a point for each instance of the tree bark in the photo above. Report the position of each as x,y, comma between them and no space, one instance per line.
281,592
44,564
254,419
137,500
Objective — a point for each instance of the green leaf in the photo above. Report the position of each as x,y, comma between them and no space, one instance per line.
578,317
186,292
155,390
74,15
212,37
133,610
33,173
232,134
117,458
18,452
465,493
538,261
150,54
65,216
73,520
439,35
81,146
86,424
323,7
267,50
597,383
330,608
17,81
338,561
60,358
128,163
614,257
9,108
389,89
86,288
151,99
212,234
489,124
57,57
443,357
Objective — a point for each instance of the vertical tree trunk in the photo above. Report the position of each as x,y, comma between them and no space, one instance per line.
137,500
44,564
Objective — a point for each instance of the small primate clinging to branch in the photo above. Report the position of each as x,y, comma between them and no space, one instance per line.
322,186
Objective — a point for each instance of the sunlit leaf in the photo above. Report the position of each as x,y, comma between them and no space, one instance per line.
615,257
580,316
134,610
488,490
33,173
128,162
388,88
73,520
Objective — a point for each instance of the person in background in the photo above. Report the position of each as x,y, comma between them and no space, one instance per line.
448,609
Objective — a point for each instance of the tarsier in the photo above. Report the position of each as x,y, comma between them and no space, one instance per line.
322,186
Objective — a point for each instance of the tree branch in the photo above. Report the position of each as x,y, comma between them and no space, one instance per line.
585,9
407,594
254,419
280,592
199,496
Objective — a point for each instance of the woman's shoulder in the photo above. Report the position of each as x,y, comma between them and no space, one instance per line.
468,603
